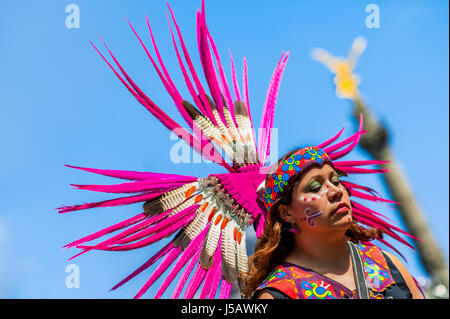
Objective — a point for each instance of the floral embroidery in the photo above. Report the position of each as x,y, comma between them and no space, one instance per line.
268,199
276,274
315,291
292,163
314,154
279,181
376,269
375,274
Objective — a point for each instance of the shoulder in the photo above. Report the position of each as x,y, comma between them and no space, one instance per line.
264,294
410,282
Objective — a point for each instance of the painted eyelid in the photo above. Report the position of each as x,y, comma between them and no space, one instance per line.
313,185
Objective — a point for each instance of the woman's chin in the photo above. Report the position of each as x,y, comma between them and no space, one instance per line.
343,219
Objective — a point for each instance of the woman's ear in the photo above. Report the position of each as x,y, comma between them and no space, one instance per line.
285,214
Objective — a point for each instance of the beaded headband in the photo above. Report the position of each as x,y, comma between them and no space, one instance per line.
292,165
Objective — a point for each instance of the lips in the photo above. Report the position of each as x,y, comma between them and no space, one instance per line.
342,208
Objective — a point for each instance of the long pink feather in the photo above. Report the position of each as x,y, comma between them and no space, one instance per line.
329,150
151,107
247,101
352,145
368,211
359,163
372,198
127,232
352,186
190,250
331,140
126,223
269,110
379,222
160,226
192,69
134,187
167,261
110,203
207,64
161,253
356,170
158,55
133,175
225,88
187,80
186,273
225,289
195,282
170,88
236,91
156,237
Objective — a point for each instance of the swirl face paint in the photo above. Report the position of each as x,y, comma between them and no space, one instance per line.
310,216
308,211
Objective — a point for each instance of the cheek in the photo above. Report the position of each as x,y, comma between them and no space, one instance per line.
309,211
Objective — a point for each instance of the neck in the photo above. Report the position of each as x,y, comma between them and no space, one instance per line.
320,251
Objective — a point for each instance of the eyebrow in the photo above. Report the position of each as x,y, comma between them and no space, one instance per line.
332,173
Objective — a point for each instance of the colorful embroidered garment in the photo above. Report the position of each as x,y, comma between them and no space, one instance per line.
298,282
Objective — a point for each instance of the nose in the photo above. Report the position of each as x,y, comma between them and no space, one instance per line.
334,192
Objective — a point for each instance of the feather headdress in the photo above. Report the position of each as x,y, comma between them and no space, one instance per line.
206,218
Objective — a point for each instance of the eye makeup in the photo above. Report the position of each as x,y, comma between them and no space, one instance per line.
309,198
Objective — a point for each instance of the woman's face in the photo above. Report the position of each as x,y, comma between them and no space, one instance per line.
320,202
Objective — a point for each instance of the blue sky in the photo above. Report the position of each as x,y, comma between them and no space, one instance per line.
60,105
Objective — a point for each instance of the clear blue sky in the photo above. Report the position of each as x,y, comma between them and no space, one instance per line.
60,105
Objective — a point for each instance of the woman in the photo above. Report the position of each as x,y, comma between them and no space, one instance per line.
304,251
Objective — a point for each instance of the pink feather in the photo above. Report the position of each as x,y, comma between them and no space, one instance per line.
225,88
158,227
207,64
186,273
135,187
192,69
236,91
195,282
126,223
167,261
190,250
225,289
331,140
169,230
269,109
110,203
359,163
147,264
133,175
